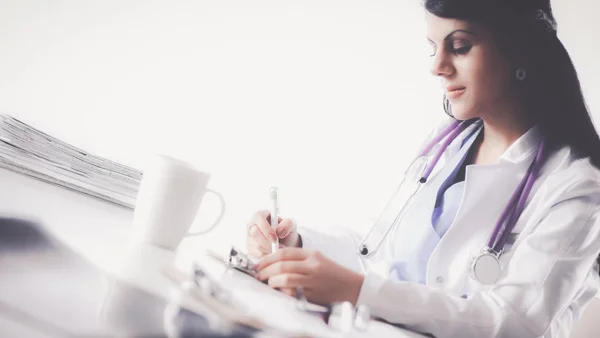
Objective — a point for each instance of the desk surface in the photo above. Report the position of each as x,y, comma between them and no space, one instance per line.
100,231
55,292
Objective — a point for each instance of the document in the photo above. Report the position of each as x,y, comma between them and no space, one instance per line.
28,151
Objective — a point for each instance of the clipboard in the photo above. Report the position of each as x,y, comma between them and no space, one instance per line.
342,317
236,259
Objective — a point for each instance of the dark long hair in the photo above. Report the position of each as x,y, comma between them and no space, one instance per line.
525,31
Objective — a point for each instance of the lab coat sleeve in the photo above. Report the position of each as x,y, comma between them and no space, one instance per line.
339,245
548,270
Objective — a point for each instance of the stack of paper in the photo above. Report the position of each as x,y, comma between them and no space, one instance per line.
29,151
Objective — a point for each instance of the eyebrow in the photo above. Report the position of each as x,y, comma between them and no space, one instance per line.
454,32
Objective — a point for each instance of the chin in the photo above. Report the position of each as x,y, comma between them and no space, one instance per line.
463,113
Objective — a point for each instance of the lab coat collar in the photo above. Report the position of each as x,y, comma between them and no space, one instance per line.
524,147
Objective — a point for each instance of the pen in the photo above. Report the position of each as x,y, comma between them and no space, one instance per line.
274,216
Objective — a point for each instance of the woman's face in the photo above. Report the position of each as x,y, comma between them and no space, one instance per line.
475,75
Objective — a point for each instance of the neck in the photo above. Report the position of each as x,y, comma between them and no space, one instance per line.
500,131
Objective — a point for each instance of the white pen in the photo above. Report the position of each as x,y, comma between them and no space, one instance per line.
274,216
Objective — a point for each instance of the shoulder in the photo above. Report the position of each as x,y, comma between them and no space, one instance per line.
569,176
566,207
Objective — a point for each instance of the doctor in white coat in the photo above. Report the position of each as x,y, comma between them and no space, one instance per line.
509,79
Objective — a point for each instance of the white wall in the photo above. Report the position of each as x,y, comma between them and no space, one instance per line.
325,99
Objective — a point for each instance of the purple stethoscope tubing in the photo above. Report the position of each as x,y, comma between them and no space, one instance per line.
509,216
513,209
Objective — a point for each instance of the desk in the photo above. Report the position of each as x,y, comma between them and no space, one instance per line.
100,232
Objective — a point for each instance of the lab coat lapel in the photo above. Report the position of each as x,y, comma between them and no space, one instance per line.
417,221
476,217
431,190
488,189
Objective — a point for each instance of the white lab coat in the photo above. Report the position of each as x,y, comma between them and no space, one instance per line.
549,273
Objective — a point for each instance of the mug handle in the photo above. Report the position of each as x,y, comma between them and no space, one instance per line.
210,228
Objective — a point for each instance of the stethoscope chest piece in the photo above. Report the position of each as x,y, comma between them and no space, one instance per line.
485,267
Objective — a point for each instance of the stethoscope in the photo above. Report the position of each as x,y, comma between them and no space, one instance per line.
485,266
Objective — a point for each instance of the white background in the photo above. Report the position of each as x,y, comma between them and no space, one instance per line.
325,99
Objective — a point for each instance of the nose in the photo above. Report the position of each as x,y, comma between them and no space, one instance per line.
441,65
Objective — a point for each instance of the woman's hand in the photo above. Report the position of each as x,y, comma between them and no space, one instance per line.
261,235
322,280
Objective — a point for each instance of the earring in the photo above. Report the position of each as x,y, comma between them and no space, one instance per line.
521,74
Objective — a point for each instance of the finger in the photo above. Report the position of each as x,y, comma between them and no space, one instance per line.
287,280
289,291
266,249
285,227
263,251
286,254
266,214
263,225
258,249
258,237
283,267
254,252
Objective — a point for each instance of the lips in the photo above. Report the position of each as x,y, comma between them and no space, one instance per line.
454,91
453,88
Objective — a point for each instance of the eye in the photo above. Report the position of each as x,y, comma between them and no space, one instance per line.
461,48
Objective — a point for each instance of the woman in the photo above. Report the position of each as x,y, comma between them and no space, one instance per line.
509,78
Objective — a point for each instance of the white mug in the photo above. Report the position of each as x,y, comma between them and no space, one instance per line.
168,201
